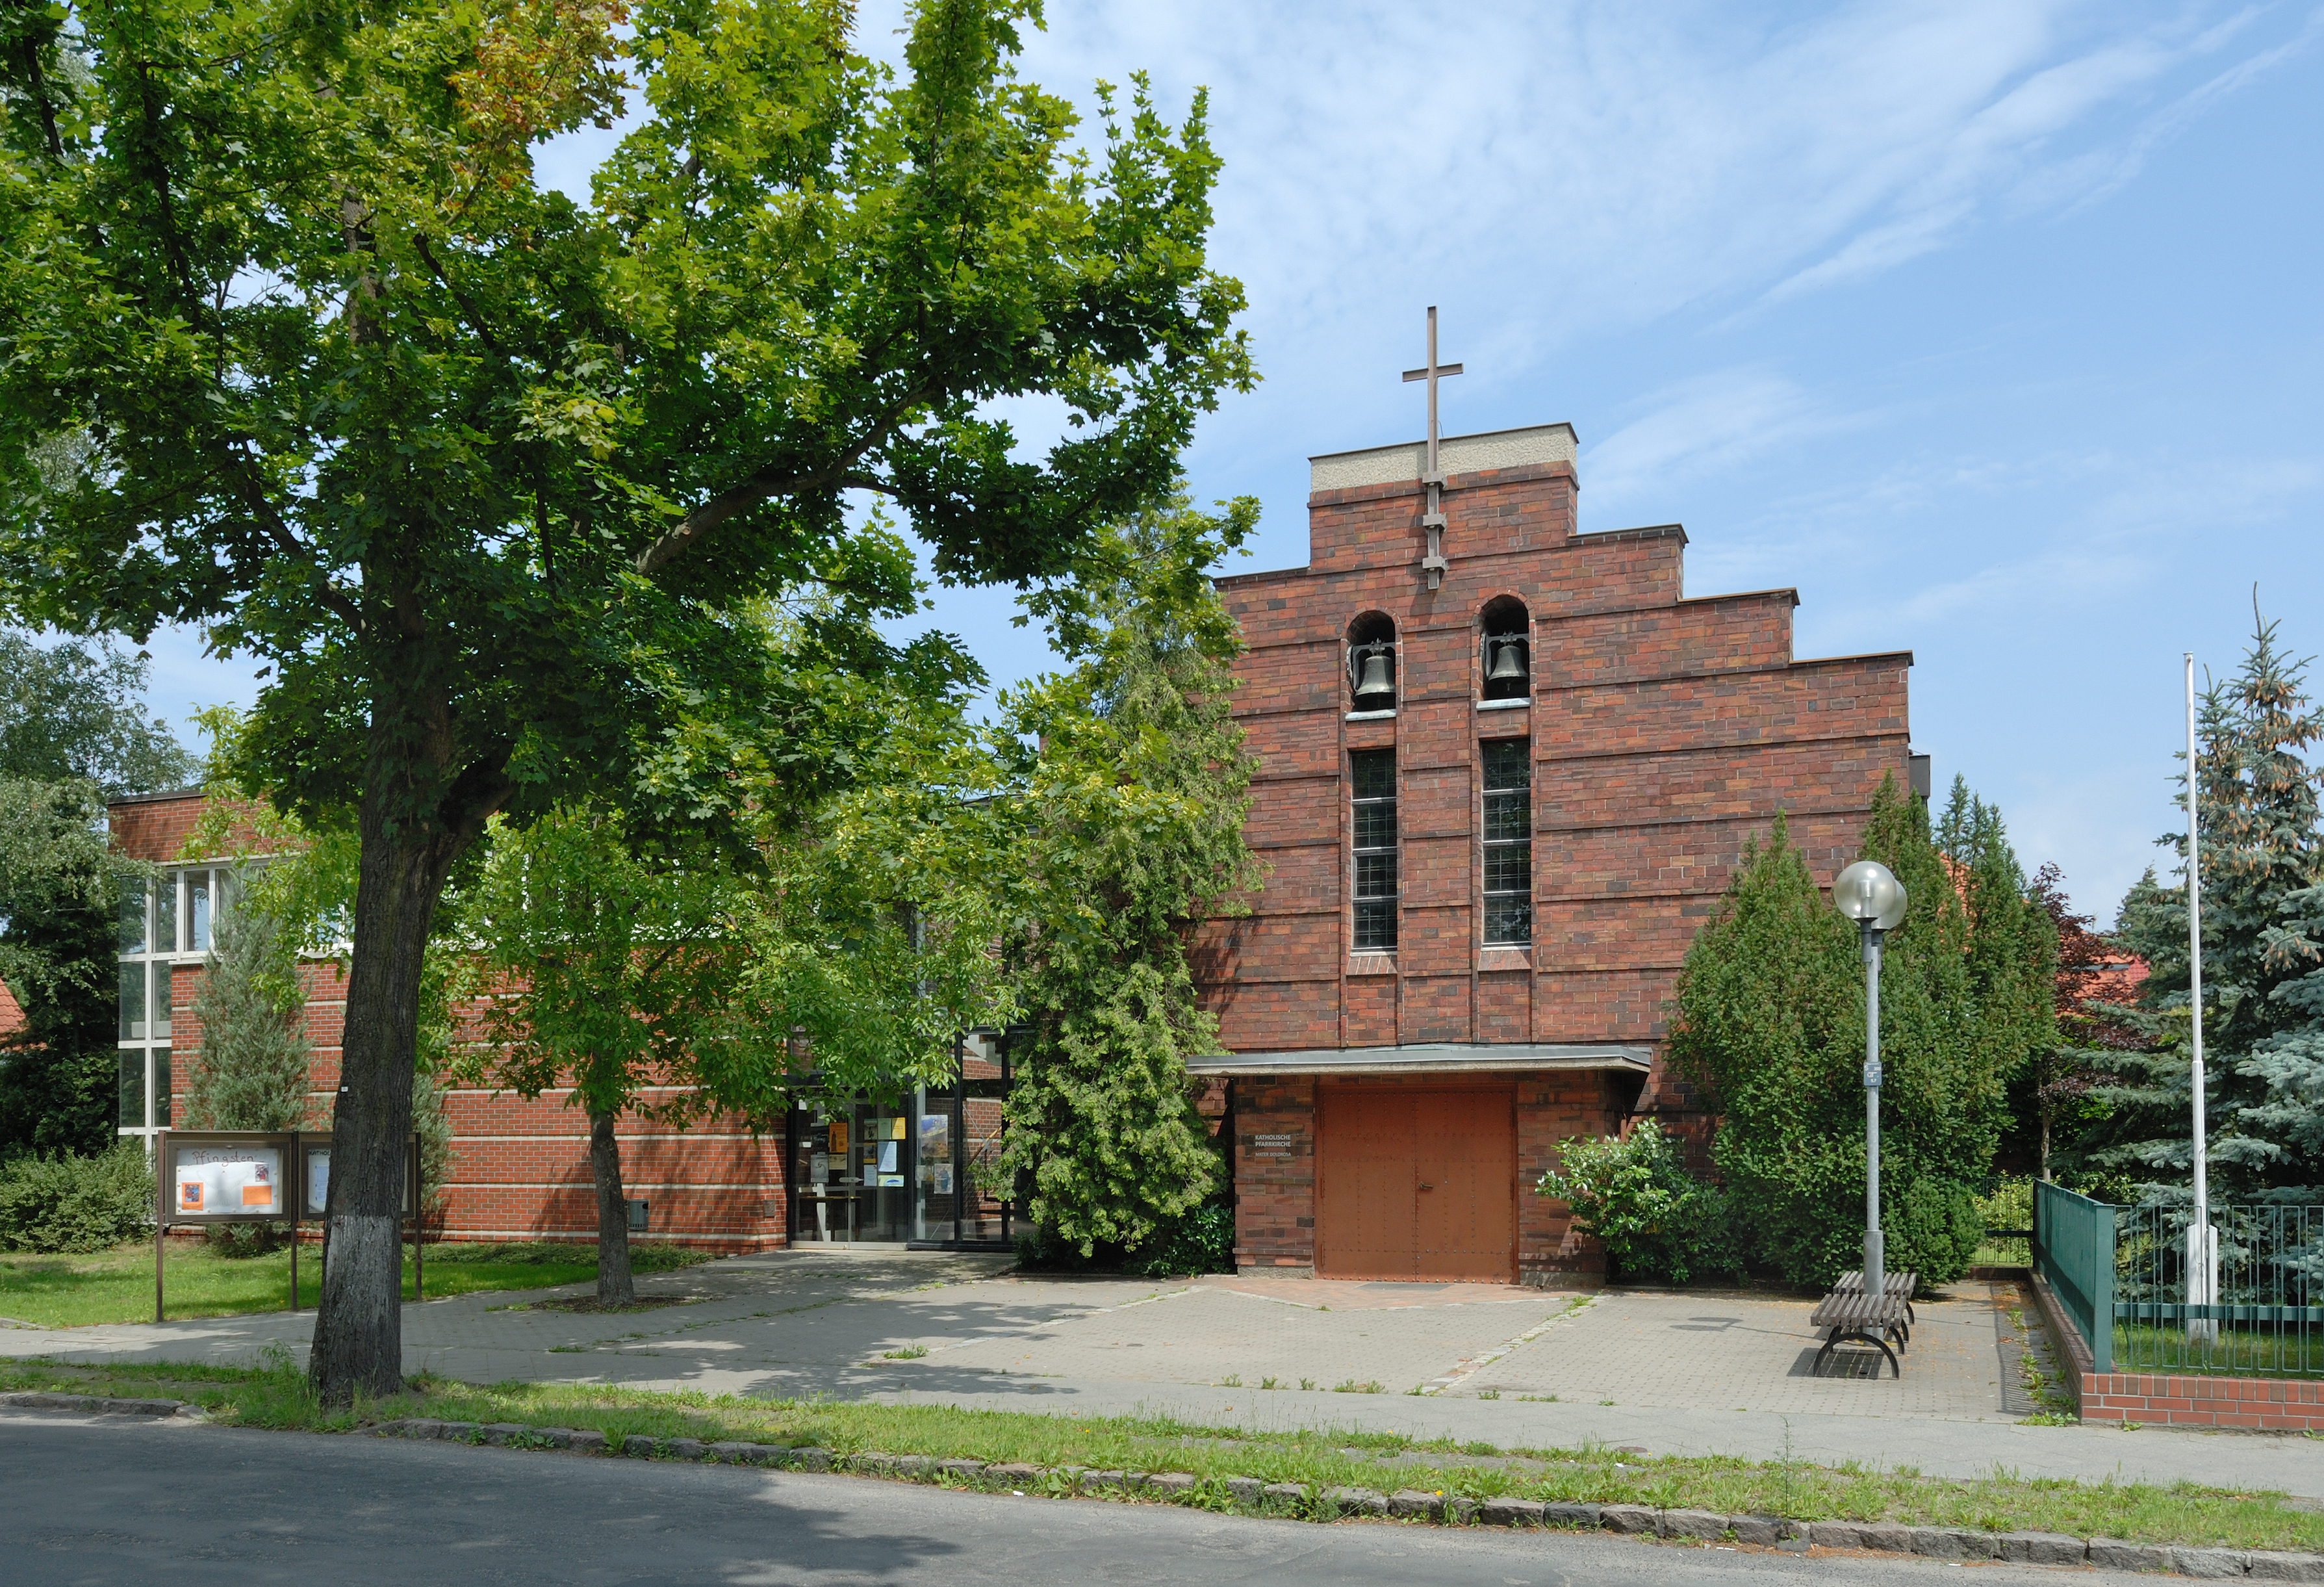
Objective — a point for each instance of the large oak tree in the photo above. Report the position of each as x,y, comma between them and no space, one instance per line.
295,344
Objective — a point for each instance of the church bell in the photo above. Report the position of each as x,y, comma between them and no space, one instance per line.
1508,662
1373,680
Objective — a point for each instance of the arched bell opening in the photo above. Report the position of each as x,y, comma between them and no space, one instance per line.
1372,662
1507,649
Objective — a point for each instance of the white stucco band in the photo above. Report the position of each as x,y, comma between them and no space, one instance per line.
1499,448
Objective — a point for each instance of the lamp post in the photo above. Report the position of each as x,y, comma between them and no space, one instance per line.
1868,893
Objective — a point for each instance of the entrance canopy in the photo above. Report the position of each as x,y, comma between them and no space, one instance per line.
1436,1057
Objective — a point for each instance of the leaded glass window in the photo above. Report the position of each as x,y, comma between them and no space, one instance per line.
1372,779
1509,841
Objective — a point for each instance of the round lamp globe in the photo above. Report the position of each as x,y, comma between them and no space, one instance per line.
1869,892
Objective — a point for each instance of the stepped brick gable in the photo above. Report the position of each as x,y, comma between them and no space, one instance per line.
1657,733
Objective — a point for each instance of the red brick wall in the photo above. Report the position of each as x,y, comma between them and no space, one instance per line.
519,1169
1665,733
2277,1403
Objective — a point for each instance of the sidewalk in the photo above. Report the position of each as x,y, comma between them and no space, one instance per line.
1685,1372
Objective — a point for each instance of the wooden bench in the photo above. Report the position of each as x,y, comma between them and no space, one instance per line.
1878,1320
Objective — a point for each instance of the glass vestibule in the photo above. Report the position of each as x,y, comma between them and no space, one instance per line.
880,1172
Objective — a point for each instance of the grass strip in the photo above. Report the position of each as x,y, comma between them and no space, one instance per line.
2184,1513
117,1286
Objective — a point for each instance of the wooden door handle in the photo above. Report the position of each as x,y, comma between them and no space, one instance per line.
1428,1188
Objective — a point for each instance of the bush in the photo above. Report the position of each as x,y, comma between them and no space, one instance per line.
1770,1022
1198,1241
65,1203
1637,1199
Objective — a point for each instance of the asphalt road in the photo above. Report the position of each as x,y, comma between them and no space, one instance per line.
120,1500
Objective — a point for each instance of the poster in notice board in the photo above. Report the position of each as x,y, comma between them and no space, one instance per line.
235,1181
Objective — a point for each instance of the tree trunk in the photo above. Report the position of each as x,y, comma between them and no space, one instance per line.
420,812
613,1286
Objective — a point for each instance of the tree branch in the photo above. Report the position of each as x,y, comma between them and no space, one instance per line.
254,496
760,487
467,310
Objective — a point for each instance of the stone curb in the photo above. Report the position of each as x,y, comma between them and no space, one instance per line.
1251,1496
102,1405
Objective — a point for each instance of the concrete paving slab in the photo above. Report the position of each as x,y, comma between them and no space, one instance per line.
791,1325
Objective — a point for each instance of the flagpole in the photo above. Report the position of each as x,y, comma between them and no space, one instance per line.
2202,1252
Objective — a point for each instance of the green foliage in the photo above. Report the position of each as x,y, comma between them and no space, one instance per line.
613,965
1131,784
71,711
76,1204
251,1070
1200,1241
1770,1016
2262,861
871,933
1635,1196
59,890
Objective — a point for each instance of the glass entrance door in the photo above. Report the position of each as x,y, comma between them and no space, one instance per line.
853,1170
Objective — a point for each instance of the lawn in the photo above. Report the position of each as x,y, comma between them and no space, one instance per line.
117,1286
2183,1513
2238,1352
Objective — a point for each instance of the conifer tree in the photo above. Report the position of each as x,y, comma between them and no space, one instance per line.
59,890
1130,818
2263,853
252,1070
2013,942
1770,1015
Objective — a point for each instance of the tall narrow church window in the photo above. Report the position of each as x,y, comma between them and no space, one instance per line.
1373,780
1509,841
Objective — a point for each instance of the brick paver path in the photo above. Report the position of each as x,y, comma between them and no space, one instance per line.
1752,1353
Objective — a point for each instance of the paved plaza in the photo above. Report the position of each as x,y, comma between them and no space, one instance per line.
1676,1372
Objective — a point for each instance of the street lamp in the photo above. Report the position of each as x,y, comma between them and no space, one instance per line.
1868,893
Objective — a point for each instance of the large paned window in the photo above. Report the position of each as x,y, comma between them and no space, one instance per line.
168,922
1372,777
1509,841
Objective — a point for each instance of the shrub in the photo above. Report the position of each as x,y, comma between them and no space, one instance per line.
1770,1021
1200,1241
1637,1199
66,1203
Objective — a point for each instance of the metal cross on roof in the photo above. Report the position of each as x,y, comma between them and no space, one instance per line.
1432,520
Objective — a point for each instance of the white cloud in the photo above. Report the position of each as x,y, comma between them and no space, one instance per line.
1700,425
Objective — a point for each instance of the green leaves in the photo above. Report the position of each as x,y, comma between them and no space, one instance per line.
339,380
1129,810
1770,1017
1635,1196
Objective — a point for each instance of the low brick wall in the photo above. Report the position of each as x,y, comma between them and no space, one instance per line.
2288,1404
2281,1404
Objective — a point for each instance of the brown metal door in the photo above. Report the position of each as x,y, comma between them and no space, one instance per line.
1467,1188
1416,1186
1366,1219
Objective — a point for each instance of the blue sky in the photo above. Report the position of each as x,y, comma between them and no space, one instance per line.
1994,328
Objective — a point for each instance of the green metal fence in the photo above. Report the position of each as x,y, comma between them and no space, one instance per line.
2121,1275
2268,1319
2074,1251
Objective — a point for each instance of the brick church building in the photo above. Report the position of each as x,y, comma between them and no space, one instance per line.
1506,768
